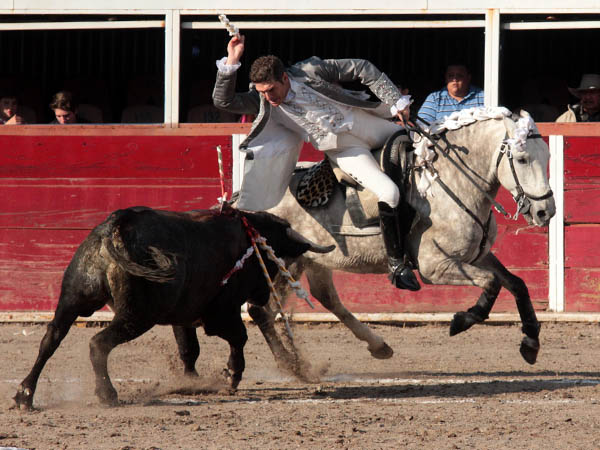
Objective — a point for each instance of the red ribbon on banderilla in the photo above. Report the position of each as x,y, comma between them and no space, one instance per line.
223,197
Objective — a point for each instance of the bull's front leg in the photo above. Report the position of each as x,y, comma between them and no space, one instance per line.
188,347
234,332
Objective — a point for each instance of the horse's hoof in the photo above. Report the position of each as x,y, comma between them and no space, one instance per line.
24,399
529,349
462,321
383,352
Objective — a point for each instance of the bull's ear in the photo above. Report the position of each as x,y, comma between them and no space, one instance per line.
313,247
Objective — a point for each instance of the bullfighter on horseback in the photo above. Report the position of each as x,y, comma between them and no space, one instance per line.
305,102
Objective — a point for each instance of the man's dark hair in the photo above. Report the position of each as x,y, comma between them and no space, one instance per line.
458,63
64,100
10,92
267,69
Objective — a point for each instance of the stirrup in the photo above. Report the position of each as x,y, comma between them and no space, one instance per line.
403,278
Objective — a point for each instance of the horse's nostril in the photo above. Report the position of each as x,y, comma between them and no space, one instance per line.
541,214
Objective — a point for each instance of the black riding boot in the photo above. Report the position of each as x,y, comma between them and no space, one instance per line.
400,275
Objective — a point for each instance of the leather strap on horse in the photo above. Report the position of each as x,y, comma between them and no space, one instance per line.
522,198
485,228
446,152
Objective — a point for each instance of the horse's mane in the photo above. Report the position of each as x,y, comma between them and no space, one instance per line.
459,119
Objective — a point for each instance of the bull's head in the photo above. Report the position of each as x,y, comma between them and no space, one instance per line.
285,241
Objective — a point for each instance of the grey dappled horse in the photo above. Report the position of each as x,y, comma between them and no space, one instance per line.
448,245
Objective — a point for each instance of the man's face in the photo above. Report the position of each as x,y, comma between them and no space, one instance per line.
8,106
64,117
590,101
276,91
458,80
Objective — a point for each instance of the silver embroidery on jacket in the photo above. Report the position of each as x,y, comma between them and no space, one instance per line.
385,90
315,129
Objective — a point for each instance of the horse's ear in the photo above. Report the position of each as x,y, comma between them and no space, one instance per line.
517,113
524,113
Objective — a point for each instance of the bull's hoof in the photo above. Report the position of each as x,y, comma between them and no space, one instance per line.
192,374
24,398
529,349
462,321
383,352
232,380
107,397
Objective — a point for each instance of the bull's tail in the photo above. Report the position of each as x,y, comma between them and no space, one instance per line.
161,265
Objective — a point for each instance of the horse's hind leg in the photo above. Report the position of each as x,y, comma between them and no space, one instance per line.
322,288
530,345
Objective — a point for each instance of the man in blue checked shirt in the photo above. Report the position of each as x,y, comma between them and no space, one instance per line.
458,94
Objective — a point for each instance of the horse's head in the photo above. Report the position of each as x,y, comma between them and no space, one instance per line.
522,166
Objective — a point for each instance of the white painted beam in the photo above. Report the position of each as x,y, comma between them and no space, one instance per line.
96,25
363,24
492,57
551,25
238,161
172,62
556,232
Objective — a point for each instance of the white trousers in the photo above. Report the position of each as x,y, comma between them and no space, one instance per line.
354,157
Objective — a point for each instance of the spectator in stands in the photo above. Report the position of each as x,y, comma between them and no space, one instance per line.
458,94
588,109
9,108
65,109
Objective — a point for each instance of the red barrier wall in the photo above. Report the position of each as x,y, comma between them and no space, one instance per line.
582,223
57,187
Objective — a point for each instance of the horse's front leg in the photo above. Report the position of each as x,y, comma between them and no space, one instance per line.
530,345
490,275
447,271
320,280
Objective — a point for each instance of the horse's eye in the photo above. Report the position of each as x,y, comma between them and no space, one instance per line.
522,160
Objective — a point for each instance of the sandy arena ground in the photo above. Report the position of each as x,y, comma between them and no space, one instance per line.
472,391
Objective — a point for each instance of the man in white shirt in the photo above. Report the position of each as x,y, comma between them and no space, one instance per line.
306,103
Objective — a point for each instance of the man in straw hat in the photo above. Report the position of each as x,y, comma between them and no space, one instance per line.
588,109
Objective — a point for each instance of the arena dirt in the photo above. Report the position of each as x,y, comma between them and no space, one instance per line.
471,391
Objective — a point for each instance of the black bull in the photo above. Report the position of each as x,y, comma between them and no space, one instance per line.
159,267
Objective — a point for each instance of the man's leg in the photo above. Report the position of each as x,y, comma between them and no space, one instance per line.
358,162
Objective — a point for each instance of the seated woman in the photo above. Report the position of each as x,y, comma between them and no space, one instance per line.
9,108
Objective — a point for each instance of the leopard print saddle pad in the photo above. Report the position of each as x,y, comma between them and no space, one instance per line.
317,183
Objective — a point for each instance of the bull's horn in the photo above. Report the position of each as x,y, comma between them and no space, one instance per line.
293,234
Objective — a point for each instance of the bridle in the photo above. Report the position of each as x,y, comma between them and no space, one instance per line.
522,199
